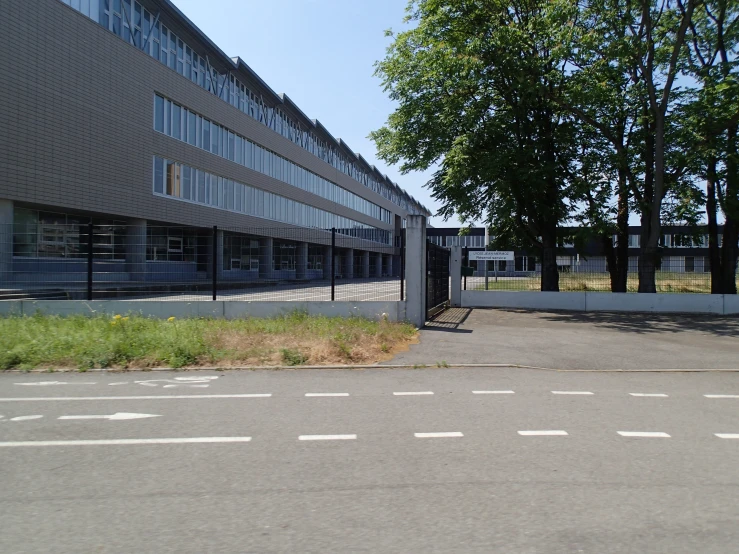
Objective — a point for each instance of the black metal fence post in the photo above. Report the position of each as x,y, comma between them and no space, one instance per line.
333,264
402,264
465,263
89,260
215,262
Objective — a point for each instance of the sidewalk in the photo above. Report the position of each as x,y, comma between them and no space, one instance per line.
574,340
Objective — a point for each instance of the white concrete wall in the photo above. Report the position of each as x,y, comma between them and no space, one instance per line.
603,301
230,309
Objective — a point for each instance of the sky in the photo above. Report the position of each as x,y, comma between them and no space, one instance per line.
321,53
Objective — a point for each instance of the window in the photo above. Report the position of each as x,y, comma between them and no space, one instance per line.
173,244
634,241
283,256
159,113
689,264
706,264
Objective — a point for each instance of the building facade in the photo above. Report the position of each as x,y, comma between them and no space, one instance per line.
122,113
682,250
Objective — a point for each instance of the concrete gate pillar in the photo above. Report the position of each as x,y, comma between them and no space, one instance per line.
415,270
455,268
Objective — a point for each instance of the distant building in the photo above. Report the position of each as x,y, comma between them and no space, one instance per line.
680,251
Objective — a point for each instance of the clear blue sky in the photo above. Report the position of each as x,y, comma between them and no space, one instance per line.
321,54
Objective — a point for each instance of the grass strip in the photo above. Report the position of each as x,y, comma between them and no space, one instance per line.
132,341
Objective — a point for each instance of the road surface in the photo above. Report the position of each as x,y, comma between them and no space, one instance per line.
427,460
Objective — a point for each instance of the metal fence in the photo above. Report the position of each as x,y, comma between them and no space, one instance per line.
92,261
675,273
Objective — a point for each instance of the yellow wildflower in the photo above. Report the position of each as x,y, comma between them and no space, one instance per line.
117,316
125,318
170,318
113,322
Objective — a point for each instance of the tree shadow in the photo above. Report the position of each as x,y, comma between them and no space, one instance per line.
646,323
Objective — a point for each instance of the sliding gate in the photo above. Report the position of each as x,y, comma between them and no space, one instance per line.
437,280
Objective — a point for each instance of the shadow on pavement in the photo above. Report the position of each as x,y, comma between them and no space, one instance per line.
449,321
644,323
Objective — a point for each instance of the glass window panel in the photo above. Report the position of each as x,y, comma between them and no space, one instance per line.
206,134
176,122
159,113
191,127
158,175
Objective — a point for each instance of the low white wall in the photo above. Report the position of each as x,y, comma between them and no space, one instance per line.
603,301
525,299
230,309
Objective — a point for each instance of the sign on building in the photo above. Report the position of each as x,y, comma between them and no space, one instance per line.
491,255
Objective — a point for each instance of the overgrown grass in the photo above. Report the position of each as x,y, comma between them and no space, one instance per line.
137,342
600,282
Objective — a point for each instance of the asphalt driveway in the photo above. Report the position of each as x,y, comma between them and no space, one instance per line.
574,340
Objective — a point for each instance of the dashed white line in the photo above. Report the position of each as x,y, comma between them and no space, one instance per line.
493,392
417,393
553,433
728,435
644,434
438,435
721,395
162,397
576,392
327,437
319,394
26,417
123,442
648,394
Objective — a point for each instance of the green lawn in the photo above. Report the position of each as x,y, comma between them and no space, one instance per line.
137,342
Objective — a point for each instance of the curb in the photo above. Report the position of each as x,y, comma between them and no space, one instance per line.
373,366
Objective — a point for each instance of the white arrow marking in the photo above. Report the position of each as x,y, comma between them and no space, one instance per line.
115,417
50,383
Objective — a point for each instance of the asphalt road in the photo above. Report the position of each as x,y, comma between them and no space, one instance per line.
527,462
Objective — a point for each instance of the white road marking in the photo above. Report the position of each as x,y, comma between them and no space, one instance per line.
721,395
188,386
121,383
649,394
645,434
728,435
419,393
50,383
579,392
493,392
120,416
326,437
26,417
543,433
438,435
162,397
118,442
326,394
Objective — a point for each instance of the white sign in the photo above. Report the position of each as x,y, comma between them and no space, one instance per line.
492,255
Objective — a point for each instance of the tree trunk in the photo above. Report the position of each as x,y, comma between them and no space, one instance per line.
729,249
647,258
622,245
648,252
610,252
549,271
714,254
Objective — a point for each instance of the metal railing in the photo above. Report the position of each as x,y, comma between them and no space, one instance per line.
86,261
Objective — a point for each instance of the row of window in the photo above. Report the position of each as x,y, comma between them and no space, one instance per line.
183,124
181,181
38,234
666,241
136,25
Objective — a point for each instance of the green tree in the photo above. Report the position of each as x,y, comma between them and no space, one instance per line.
476,84
714,116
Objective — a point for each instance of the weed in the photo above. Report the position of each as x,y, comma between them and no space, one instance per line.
293,357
